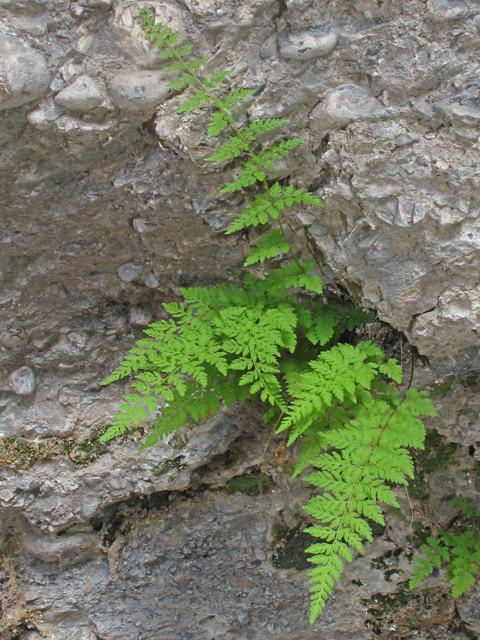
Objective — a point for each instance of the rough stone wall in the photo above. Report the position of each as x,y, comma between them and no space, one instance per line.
108,208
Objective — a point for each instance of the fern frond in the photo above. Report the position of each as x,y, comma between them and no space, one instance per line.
195,405
195,101
351,474
220,76
236,97
467,507
195,64
335,375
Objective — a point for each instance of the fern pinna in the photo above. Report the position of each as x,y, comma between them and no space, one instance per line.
275,339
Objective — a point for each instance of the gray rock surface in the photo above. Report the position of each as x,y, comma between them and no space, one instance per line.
151,280
24,73
207,563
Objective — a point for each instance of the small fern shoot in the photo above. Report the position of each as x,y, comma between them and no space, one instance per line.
459,549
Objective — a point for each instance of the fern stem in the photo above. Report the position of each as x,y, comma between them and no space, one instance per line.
275,429
286,240
412,370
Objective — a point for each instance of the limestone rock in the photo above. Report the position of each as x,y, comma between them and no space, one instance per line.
82,95
140,90
22,381
79,493
24,74
343,105
308,44
457,309
463,107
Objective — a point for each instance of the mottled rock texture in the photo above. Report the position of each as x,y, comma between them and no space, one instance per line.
108,208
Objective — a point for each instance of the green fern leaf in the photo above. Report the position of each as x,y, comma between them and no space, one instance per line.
233,148
263,126
192,103
259,211
392,369
268,246
218,122
248,176
220,76
175,66
231,342
184,51
466,507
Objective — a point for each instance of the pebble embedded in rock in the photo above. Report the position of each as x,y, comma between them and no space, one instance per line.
151,280
24,74
22,381
308,44
82,95
345,104
142,317
130,271
139,90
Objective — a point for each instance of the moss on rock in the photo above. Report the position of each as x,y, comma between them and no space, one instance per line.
17,453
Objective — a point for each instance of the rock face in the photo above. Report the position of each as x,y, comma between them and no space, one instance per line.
109,209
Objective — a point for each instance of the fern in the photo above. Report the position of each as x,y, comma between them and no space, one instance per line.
275,340
460,549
